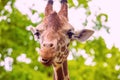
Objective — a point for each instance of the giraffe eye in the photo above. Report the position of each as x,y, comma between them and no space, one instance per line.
70,33
37,33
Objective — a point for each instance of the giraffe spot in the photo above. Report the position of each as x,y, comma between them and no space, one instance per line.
68,44
58,48
61,42
58,54
67,51
60,57
63,48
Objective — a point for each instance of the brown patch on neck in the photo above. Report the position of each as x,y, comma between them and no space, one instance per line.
65,68
60,75
61,71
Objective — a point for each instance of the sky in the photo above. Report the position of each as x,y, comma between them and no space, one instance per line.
96,6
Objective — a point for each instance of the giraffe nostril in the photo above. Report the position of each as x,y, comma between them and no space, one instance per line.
48,45
44,45
51,45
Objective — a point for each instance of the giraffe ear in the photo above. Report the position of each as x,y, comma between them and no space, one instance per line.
32,29
82,35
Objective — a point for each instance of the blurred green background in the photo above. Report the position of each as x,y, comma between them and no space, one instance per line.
19,59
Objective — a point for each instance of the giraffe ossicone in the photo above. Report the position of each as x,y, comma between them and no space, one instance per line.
54,34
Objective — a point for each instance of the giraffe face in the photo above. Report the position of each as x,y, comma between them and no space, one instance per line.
54,35
53,38
53,46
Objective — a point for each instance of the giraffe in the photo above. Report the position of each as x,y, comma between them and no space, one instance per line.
54,34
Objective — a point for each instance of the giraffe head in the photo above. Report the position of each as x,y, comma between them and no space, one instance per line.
54,34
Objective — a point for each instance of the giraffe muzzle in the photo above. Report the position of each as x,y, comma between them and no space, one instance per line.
46,62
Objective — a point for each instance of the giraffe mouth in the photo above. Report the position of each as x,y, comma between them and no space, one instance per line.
46,62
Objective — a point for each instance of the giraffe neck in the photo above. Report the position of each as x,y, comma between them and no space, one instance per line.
61,71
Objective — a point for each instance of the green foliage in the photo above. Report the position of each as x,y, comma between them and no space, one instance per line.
25,72
105,62
2,4
17,33
83,3
16,40
71,4
99,23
